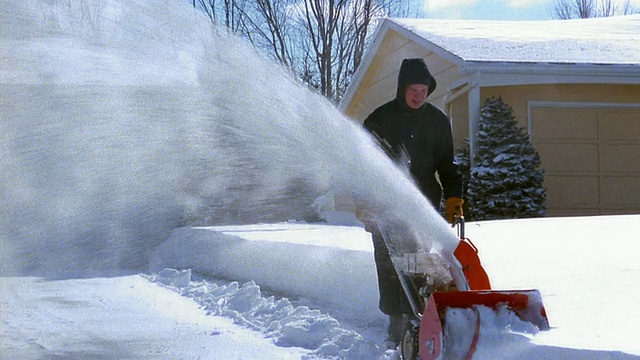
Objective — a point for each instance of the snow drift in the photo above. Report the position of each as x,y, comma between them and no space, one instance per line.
302,261
567,259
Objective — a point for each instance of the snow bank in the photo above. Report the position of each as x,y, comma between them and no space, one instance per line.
332,264
329,264
562,257
288,325
323,335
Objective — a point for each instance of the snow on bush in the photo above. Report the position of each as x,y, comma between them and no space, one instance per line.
505,180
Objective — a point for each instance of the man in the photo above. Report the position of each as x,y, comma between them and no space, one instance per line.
417,134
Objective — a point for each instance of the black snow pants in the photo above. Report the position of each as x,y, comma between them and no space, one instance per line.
393,300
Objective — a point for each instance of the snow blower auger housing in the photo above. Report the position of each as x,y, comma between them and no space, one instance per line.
430,298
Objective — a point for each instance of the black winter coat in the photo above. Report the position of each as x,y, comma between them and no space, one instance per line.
421,138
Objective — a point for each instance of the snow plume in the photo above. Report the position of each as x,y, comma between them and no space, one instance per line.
279,319
122,120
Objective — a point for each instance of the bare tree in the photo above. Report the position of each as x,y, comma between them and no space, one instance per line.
360,23
337,33
606,8
570,9
229,13
562,10
321,24
208,7
586,8
322,41
271,23
628,9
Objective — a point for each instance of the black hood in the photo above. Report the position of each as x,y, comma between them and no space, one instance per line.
414,71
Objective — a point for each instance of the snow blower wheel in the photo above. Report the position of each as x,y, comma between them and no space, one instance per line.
409,342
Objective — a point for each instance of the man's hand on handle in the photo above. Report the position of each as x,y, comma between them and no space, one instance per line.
453,207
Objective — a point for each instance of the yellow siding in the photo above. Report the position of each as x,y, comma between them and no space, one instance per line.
519,96
459,113
379,83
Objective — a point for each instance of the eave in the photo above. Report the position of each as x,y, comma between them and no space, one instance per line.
505,74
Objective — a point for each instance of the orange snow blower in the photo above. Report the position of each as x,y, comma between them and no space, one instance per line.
423,334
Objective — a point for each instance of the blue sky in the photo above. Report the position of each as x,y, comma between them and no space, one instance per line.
490,9
498,9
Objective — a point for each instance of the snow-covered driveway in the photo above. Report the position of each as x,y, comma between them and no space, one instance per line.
121,318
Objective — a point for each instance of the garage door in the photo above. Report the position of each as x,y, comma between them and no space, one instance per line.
591,157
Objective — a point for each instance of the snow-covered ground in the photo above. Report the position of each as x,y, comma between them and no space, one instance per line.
585,268
123,121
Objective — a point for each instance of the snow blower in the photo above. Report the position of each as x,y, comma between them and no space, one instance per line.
430,299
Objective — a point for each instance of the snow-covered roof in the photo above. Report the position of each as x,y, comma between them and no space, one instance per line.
596,50
607,40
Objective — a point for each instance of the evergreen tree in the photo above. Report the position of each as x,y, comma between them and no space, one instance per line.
505,180
463,159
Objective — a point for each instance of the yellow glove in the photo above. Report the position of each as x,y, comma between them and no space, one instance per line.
453,207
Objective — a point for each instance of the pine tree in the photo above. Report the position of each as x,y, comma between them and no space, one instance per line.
463,159
506,181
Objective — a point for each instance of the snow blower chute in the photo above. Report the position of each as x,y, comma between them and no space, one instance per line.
423,334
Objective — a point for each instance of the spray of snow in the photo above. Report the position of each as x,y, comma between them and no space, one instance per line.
122,120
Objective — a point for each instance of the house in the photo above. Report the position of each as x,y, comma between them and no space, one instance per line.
574,85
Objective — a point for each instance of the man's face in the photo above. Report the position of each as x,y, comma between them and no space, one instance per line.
415,95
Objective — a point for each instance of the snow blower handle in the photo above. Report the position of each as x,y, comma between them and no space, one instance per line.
458,222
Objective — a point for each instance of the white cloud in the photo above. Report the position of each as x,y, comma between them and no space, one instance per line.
435,5
525,3
501,9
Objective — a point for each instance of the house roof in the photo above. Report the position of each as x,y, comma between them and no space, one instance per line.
607,40
489,52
